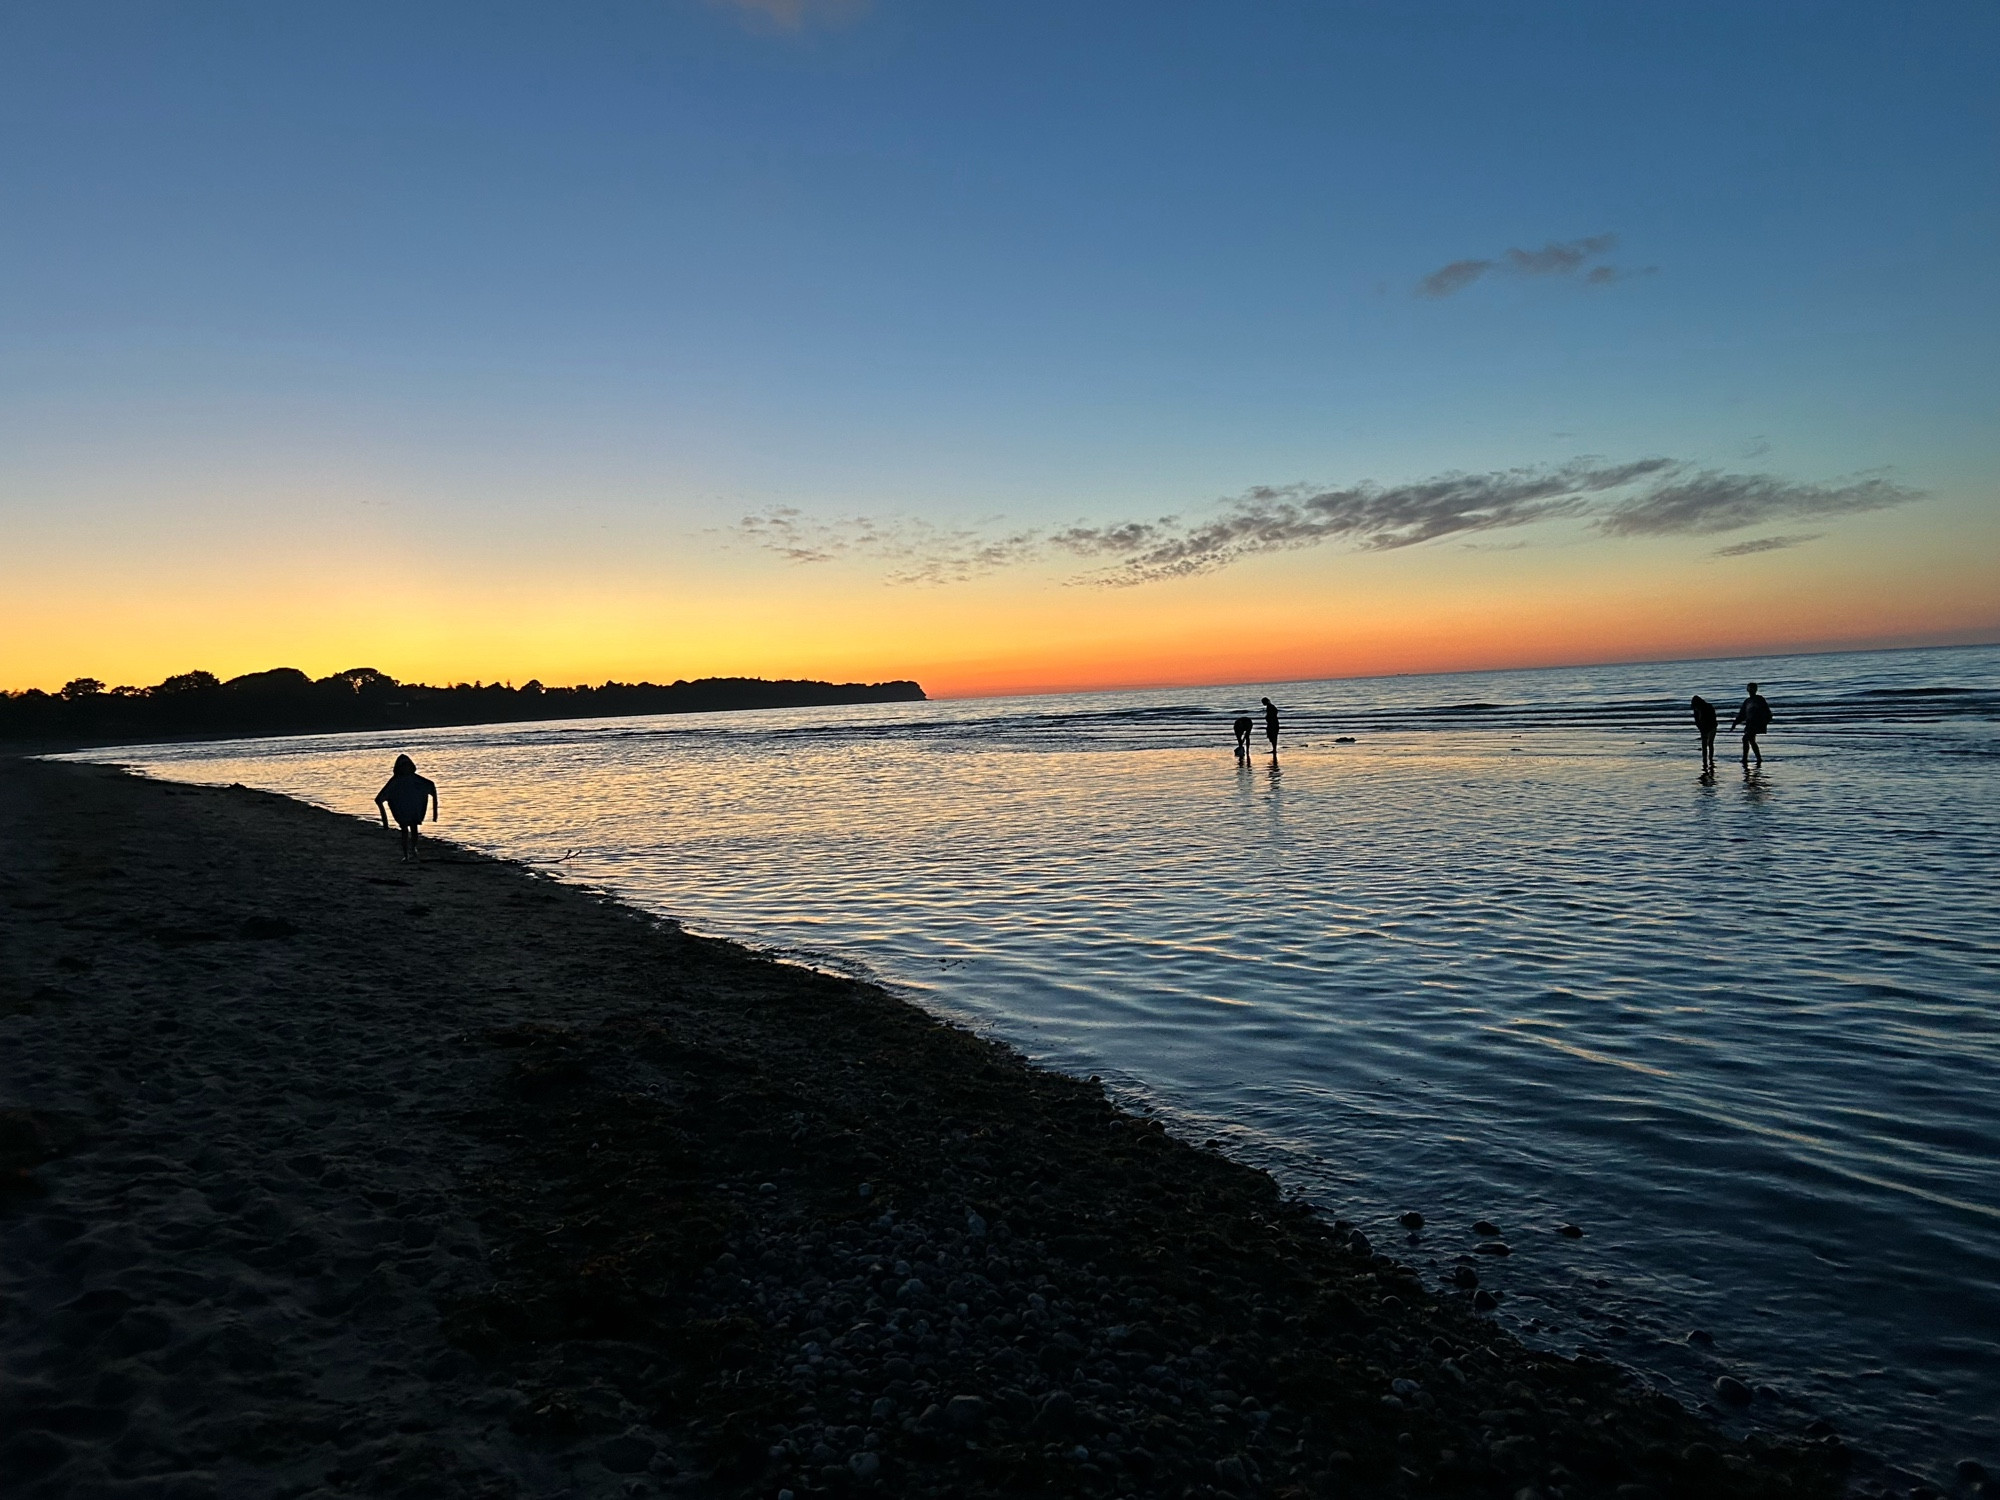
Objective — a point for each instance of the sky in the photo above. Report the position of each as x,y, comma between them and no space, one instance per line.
1007,346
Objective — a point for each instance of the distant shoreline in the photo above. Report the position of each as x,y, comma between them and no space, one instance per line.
283,703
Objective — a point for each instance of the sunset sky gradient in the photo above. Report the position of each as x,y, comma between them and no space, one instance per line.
1005,346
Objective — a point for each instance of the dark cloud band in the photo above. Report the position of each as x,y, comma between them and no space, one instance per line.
1649,497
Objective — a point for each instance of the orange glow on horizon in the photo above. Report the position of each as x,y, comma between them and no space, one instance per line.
1286,617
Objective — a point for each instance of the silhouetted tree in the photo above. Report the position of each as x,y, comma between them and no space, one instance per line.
188,682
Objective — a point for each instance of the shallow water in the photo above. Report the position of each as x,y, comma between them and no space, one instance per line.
1503,956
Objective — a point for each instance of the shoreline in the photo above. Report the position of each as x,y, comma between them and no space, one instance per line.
562,1198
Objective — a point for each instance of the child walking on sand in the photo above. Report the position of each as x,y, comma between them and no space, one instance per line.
407,795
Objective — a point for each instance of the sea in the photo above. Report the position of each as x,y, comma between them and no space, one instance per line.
1484,946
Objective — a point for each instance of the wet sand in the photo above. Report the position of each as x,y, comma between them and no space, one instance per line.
320,1173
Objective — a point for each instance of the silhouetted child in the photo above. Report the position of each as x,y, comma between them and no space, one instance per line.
1755,717
1243,736
1270,723
408,796
1704,723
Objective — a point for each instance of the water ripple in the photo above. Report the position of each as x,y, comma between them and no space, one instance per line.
1500,957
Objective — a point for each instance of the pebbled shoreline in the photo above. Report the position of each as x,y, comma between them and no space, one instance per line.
320,1174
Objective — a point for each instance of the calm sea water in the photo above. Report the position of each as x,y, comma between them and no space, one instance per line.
1503,956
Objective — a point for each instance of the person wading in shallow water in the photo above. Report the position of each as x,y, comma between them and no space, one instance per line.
407,795
1270,723
1243,737
1755,717
1704,723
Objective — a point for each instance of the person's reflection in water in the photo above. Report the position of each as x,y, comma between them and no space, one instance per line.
1271,724
1755,717
1704,723
408,796
1243,737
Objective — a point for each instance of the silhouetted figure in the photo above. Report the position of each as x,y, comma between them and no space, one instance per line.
1242,736
1704,723
1755,717
408,796
1270,723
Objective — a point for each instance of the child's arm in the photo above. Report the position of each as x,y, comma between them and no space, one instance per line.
381,805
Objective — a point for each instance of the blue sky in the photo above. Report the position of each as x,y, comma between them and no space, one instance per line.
513,271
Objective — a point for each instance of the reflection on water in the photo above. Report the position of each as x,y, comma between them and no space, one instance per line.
1504,957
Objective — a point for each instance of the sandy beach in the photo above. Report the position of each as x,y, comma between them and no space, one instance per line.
325,1174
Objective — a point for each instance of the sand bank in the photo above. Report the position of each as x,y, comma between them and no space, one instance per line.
325,1174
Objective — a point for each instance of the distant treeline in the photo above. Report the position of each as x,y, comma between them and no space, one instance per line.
286,701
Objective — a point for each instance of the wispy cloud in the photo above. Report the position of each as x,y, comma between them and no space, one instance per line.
1707,502
1455,277
1766,544
794,15
1557,258
1370,518
1648,497
917,551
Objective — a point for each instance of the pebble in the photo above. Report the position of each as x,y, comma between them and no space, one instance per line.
1701,1336
1465,1276
866,1465
1485,1226
1493,1247
1485,1301
1412,1221
1732,1391
1569,1231
965,1413
1358,1243
1971,1470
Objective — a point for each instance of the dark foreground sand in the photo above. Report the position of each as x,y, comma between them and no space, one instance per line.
323,1174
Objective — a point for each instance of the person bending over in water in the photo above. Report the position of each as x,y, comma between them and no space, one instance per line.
1704,723
1755,717
1270,723
408,796
1243,736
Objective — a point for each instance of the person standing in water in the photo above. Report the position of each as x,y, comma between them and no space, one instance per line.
1704,723
1242,736
1271,723
408,796
1755,717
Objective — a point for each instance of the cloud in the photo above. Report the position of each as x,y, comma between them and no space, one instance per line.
1455,277
1370,518
1648,497
1707,502
917,551
1766,544
1557,258
794,15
